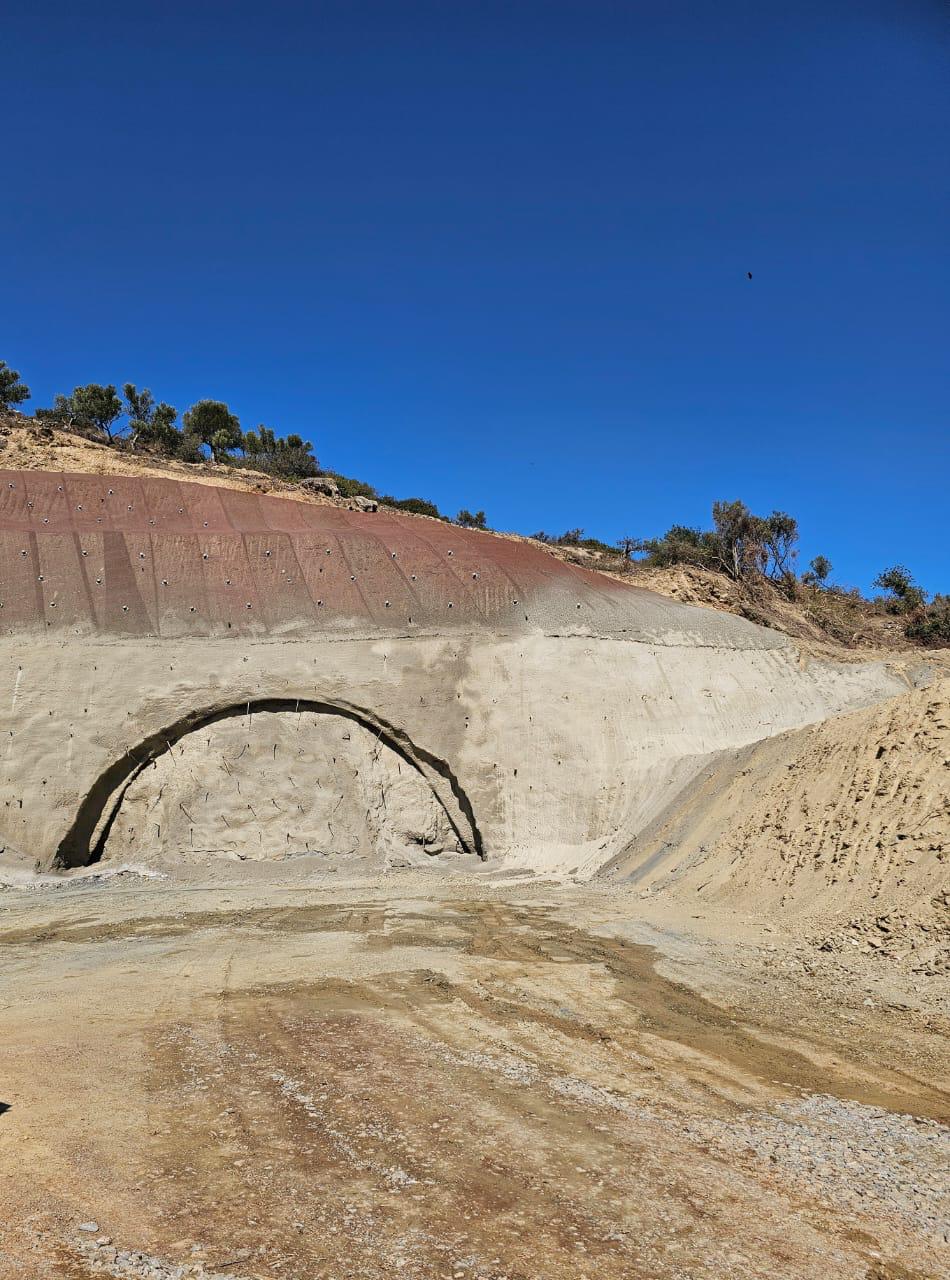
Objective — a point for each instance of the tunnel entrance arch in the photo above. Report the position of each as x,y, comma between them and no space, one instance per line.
85,841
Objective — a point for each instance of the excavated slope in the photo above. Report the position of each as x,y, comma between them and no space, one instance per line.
194,668
158,557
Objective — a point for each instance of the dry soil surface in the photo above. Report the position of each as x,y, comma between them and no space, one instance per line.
278,1071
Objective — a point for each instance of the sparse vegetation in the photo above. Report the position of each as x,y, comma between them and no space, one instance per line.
290,458
208,427
12,389
472,520
903,594
740,544
418,506
575,538
758,554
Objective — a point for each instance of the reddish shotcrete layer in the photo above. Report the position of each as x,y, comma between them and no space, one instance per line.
159,557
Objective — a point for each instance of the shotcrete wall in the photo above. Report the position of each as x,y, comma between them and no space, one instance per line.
550,711
563,746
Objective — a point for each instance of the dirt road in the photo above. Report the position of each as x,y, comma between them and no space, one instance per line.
272,1072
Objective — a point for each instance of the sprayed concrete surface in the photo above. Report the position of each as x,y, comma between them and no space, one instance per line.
551,711
273,1071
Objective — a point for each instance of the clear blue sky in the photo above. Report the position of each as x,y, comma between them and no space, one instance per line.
495,254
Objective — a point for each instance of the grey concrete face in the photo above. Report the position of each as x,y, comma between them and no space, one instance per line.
546,712
554,749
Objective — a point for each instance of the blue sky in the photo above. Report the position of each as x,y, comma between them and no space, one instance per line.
495,254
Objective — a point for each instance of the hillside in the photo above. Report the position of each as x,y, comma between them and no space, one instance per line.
818,618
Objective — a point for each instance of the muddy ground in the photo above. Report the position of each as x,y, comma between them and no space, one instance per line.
275,1071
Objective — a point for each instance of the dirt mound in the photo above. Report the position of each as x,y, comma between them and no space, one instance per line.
845,823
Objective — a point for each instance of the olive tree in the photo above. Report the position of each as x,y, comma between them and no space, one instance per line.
151,424
212,423
12,390
98,406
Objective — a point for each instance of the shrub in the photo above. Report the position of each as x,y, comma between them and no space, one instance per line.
595,544
740,544
681,544
12,390
293,462
818,571
471,520
61,413
575,538
418,506
290,459
350,488
931,624
903,593
189,449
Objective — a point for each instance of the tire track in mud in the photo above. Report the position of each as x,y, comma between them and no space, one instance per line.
365,1117
545,1106
329,1064
732,1044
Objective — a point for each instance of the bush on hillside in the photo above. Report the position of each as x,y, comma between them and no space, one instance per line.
92,409
12,389
818,572
903,593
351,488
418,506
289,458
575,538
740,544
472,519
681,544
61,413
930,625
99,406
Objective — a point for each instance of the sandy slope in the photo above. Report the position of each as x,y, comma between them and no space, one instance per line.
844,821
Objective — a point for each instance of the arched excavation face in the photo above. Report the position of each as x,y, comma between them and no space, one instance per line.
270,780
